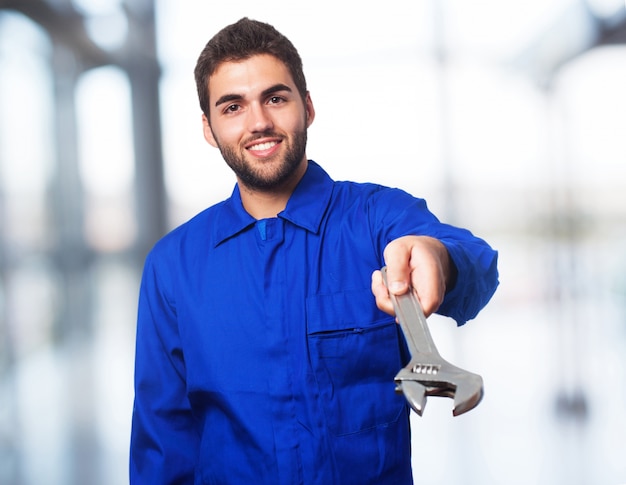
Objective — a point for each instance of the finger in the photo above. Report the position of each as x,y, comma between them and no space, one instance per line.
428,283
380,292
398,272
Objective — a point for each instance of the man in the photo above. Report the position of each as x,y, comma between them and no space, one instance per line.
266,342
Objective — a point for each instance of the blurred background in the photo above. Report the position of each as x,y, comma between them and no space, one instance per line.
509,117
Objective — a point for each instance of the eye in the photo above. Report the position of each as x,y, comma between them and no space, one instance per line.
232,108
276,100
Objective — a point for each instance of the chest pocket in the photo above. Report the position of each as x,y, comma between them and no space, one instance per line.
355,355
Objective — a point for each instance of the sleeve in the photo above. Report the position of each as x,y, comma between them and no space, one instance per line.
400,214
477,273
164,441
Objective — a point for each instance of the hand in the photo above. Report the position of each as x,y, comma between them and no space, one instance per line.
421,261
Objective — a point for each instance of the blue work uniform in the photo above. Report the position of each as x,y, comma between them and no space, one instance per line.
261,356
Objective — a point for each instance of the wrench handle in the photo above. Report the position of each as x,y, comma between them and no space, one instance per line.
412,321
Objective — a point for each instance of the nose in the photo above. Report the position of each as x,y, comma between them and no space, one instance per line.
259,120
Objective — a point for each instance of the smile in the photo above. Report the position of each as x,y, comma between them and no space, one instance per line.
263,146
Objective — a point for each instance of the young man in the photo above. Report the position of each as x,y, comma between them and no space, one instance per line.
266,342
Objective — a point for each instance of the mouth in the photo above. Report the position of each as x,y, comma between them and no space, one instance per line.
264,148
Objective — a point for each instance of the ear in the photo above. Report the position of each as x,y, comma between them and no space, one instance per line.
310,110
208,132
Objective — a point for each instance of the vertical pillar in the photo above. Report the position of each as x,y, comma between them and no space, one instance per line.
73,266
141,64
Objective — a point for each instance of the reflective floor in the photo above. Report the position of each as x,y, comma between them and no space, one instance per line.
553,410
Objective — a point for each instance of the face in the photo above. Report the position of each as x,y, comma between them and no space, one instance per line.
258,120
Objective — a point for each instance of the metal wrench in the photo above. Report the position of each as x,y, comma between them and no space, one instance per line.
427,373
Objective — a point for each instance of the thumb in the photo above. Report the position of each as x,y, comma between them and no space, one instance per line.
397,279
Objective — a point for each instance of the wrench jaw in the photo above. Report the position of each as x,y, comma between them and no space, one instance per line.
414,393
465,388
468,393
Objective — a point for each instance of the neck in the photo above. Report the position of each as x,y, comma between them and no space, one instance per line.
263,205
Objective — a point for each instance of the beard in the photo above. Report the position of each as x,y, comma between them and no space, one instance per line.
268,177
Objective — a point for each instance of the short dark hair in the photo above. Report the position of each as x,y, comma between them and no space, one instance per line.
242,40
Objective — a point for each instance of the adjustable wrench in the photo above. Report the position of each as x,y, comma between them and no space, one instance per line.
427,373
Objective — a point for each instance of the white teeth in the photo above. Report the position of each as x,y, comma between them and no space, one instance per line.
263,146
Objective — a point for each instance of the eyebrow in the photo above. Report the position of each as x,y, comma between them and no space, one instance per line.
266,92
